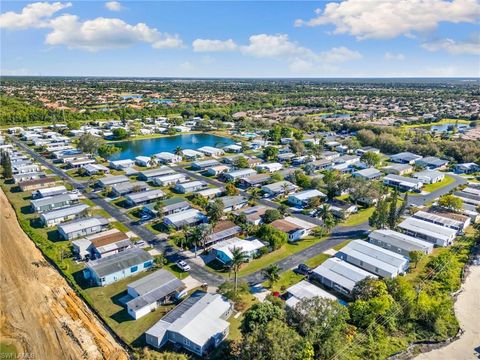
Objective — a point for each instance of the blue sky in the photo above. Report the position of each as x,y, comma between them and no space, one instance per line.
350,38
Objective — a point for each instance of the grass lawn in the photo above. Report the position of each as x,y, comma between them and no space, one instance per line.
248,301
106,301
359,218
120,226
433,187
341,245
101,212
88,202
277,255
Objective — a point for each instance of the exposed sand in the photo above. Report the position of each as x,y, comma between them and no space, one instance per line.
467,309
39,313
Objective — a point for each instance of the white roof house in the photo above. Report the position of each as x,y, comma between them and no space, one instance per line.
192,154
50,191
54,217
170,179
239,174
440,220
121,164
143,161
82,227
402,182
429,176
197,324
400,243
188,217
303,197
190,186
223,249
305,290
168,158
436,234
270,167
279,187
143,197
211,151
373,258
339,275
112,180
149,175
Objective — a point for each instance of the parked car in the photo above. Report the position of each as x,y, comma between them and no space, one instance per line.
303,269
182,265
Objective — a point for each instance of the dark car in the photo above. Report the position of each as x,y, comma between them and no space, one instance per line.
303,269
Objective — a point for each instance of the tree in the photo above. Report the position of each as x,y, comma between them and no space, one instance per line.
231,189
107,150
241,163
120,134
153,161
415,256
178,150
273,236
379,217
322,322
392,211
297,147
198,235
238,259
329,222
270,153
275,340
215,210
271,215
450,202
371,158
261,314
403,207
89,143
7,166
272,274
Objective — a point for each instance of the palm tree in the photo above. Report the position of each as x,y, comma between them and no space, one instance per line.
178,150
323,211
329,222
198,235
255,195
153,161
272,273
238,259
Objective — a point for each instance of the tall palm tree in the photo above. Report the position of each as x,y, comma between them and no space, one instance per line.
198,235
178,150
238,259
255,195
272,273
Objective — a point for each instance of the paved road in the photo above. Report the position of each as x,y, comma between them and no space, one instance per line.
423,199
171,253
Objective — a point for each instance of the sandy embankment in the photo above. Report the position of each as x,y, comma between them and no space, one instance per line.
39,312
467,310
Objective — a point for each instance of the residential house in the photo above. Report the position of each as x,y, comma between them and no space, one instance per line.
436,234
223,230
125,188
231,203
199,324
121,164
151,291
238,174
205,164
112,180
144,161
400,243
168,180
144,197
218,170
432,163
19,178
367,174
279,188
233,148
210,193
168,158
149,175
270,167
339,275
55,217
93,169
50,191
305,290
191,155
450,223
429,176
190,217
398,169
108,270
405,158
168,207
106,243
467,168
53,202
35,184
253,214
402,183
302,198
191,186
295,228
255,180
321,164
223,249
82,227
75,164
211,151
341,209
366,149
25,168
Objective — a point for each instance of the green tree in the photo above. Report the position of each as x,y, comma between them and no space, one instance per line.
379,217
231,189
273,236
241,163
107,150
178,150
270,153
272,274
415,256
259,315
271,215
89,143
322,322
297,147
450,202
198,235
329,222
215,210
275,340
392,211
238,259
120,134
371,158
7,166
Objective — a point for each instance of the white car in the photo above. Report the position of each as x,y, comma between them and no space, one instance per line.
183,265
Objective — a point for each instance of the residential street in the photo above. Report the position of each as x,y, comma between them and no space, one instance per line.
423,199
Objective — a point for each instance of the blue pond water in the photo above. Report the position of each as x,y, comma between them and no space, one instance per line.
148,147
445,127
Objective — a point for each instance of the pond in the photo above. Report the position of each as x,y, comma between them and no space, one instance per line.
148,147
448,127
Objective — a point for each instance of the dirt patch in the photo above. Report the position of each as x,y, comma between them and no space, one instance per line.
467,310
39,313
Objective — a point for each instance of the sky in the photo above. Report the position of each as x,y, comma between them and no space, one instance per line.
349,38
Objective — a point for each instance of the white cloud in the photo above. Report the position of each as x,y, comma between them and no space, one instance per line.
339,55
208,45
104,33
456,48
35,15
393,56
264,45
114,6
385,19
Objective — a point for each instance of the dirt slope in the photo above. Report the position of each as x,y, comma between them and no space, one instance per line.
39,312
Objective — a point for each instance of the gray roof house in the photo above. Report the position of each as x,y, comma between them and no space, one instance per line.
151,291
125,188
198,324
231,203
188,217
436,234
279,187
53,202
400,243
373,258
110,269
339,275
440,220
202,165
429,176
144,197
82,227
55,217
405,158
149,175
431,163
191,186
112,180
367,174
402,182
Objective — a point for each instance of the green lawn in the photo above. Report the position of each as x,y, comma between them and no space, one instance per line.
120,226
341,245
359,218
101,212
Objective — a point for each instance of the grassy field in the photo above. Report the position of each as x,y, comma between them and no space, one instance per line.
359,218
433,187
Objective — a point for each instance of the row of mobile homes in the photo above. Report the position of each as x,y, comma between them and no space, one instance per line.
82,227
456,225
53,202
436,234
106,243
55,217
400,243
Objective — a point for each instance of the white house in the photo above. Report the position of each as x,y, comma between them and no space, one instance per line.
144,161
302,198
305,290
223,249
168,158
295,228
191,186
270,167
436,234
211,151
429,176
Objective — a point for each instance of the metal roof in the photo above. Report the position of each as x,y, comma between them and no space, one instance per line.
85,223
54,199
306,290
399,240
56,214
439,220
145,195
428,229
118,262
